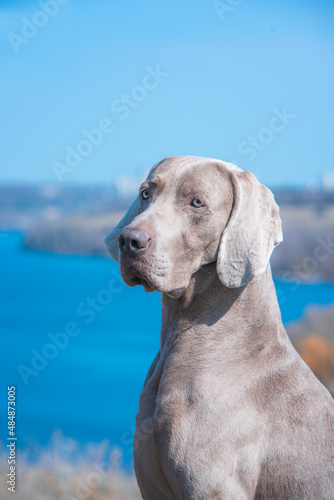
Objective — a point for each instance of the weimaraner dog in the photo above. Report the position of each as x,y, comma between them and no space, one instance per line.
228,409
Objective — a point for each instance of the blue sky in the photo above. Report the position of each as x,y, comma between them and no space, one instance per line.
253,85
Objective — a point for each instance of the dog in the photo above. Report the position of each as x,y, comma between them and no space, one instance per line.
228,410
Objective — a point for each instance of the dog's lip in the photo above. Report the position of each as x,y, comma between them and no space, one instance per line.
137,278
177,293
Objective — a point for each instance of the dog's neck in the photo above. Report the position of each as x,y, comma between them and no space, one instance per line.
208,302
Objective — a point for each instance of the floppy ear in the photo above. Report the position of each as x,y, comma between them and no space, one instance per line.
111,241
252,232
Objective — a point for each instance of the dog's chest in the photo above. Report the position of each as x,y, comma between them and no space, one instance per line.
187,432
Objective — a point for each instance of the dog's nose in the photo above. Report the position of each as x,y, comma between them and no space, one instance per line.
133,240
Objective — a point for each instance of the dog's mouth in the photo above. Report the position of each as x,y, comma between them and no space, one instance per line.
177,293
133,276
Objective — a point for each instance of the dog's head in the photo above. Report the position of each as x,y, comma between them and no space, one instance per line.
190,212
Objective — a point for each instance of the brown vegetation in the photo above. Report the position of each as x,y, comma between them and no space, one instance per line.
318,353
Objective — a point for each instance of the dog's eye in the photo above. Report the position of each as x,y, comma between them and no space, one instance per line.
145,194
196,203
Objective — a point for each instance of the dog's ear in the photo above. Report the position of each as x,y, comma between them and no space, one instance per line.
252,232
111,241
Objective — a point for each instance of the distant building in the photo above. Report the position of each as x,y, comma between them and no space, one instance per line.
127,185
327,181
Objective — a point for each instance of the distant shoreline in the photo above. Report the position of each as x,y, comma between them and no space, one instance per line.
74,220
306,255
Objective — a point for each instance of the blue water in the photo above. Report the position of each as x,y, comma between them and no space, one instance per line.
90,387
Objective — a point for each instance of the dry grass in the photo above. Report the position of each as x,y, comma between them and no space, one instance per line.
65,471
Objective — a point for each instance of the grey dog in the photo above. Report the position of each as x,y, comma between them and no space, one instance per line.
228,410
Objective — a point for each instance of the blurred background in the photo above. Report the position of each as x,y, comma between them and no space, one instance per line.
92,95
